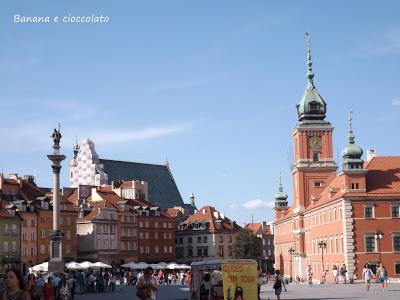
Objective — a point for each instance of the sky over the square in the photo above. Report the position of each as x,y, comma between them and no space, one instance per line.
210,85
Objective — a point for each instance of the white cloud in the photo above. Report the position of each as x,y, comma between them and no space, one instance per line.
258,203
252,205
121,136
396,102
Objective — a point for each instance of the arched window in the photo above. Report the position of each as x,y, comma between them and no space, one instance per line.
316,156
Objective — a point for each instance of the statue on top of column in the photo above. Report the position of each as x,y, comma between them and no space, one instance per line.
56,136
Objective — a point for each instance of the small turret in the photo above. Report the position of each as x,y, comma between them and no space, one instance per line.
352,153
281,197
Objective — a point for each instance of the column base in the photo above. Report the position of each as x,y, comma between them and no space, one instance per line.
56,266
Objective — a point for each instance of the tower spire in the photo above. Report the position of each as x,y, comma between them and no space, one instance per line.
352,138
280,183
310,74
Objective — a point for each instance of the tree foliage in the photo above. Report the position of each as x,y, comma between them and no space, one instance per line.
247,245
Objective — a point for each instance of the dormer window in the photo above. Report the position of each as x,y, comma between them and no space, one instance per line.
314,107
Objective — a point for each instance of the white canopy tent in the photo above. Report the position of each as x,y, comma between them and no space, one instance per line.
73,265
86,265
43,267
163,264
99,264
141,265
130,265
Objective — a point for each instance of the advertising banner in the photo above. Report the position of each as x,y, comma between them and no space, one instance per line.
240,281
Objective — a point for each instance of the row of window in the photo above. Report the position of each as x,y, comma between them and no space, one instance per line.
146,235
203,239
157,249
25,252
106,228
25,223
371,243
127,231
42,234
128,245
47,250
148,224
324,217
369,211
7,249
129,219
106,244
334,244
7,230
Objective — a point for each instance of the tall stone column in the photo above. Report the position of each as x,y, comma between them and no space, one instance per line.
56,263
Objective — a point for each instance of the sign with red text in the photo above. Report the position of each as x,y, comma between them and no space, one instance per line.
240,281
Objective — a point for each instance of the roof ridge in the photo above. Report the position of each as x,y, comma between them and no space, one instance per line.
133,162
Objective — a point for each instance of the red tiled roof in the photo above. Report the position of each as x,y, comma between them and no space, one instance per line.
73,197
254,227
383,175
172,212
11,181
207,214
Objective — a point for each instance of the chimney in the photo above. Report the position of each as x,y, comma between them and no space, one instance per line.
30,178
1,181
371,154
13,176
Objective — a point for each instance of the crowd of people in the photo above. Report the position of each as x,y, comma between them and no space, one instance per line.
63,286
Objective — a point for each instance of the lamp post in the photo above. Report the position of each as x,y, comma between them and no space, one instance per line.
291,253
378,237
322,246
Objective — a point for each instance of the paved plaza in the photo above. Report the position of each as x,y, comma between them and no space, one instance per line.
324,292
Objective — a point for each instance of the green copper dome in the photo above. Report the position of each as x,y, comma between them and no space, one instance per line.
311,105
281,196
352,151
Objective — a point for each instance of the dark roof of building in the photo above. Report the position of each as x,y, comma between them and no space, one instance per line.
161,184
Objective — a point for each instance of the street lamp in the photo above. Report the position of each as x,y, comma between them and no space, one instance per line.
322,246
378,237
291,253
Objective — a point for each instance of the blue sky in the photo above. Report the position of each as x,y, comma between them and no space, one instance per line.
212,85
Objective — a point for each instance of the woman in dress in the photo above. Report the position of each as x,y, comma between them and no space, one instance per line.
367,274
15,289
49,290
63,290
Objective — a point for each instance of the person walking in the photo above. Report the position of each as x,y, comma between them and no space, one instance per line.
49,290
367,274
15,287
33,288
383,278
279,282
63,289
335,274
147,285
111,280
309,275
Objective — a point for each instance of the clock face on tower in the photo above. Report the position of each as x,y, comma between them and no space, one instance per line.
315,142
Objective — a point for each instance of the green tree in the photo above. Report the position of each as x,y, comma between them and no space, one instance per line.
247,245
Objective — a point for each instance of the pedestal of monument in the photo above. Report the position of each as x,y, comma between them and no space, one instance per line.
56,263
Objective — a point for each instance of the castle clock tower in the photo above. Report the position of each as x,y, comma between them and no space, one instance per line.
314,166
